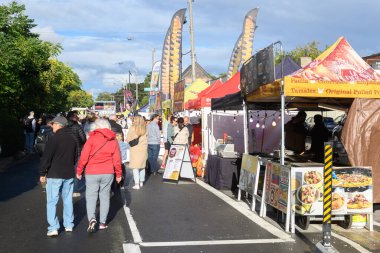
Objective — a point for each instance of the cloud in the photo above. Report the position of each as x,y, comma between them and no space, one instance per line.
47,33
94,34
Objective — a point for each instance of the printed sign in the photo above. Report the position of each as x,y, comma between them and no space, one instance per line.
179,96
277,185
249,167
178,164
352,190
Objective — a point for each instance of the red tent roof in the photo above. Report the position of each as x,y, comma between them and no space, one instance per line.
231,86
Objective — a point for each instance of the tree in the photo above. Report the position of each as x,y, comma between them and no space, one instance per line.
309,50
80,98
60,80
23,58
104,96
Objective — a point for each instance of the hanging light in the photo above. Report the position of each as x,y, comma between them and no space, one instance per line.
251,119
257,124
234,118
274,123
263,126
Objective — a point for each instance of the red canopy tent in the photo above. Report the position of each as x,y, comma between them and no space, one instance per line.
217,90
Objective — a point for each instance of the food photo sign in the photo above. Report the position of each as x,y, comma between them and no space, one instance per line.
351,190
277,186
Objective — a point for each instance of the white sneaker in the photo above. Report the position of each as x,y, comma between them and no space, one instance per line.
136,187
69,229
52,233
141,184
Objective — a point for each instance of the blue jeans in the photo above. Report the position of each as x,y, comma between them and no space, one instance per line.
29,139
138,175
153,151
53,187
98,184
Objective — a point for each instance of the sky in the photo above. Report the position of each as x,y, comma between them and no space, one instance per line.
104,39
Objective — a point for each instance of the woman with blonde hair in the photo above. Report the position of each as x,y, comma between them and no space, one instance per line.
138,142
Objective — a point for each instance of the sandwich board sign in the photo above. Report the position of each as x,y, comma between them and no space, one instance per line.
178,164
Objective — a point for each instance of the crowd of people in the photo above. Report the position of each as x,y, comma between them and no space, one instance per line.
94,149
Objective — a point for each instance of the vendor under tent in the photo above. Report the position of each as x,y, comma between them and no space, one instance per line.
332,80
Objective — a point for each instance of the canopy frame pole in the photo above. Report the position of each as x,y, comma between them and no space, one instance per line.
282,155
245,111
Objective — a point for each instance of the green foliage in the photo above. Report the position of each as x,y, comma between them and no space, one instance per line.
309,50
30,76
104,96
80,98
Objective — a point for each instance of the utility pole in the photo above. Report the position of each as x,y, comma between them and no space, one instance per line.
153,57
192,41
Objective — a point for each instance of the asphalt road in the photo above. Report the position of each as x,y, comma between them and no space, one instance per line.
163,217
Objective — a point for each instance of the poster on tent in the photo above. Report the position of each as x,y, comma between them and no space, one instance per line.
277,186
261,69
249,171
179,96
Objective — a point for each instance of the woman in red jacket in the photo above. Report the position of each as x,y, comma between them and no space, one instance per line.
100,158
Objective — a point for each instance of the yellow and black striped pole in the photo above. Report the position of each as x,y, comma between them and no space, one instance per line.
327,194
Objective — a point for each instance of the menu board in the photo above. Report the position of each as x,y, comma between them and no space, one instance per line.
307,190
248,173
276,186
351,190
174,162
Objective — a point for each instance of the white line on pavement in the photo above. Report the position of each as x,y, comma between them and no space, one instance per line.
244,209
131,221
131,248
355,245
376,223
215,242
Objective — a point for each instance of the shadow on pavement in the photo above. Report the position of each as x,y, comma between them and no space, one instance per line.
19,178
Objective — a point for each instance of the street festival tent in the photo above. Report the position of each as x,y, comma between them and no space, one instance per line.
267,138
204,103
194,89
339,72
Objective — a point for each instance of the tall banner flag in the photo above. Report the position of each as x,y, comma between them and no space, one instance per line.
176,49
165,64
244,51
154,85
235,59
171,62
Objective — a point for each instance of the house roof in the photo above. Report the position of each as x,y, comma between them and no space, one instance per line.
198,68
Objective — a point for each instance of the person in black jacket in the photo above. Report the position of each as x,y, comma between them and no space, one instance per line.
116,128
80,138
57,172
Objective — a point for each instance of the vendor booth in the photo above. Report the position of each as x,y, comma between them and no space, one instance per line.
294,185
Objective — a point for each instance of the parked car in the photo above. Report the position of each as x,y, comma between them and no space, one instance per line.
328,121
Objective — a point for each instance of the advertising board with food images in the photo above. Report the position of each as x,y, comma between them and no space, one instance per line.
277,186
307,190
178,164
351,190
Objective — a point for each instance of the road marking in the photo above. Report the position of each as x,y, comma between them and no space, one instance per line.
376,223
215,242
355,245
246,211
131,248
132,224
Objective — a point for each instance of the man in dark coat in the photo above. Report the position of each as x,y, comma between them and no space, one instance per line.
57,172
80,138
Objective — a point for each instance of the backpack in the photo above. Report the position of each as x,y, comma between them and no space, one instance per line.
28,126
41,139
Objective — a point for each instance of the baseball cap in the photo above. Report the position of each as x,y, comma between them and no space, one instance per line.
61,120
